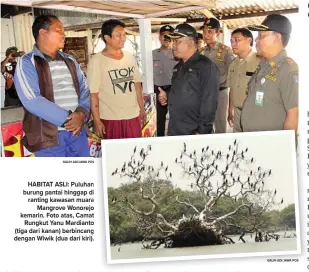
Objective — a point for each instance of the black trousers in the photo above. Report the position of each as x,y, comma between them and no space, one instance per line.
161,111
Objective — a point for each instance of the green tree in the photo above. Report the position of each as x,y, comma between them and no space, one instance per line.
287,216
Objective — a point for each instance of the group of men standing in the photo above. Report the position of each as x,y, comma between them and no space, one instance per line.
191,80
215,85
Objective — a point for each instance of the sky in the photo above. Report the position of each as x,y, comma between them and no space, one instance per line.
271,150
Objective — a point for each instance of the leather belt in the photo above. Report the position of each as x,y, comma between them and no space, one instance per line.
165,86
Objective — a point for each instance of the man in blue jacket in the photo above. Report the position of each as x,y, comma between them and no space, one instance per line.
54,94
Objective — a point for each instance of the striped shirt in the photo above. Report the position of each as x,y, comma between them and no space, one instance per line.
65,95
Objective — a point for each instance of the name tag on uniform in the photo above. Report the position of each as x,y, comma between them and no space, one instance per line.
249,73
259,98
221,60
271,78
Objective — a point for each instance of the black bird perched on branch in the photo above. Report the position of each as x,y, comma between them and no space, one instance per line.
230,147
194,152
235,142
202,149
166,168
184,147
251,173
246,150
161,163
134,149
269,172
275,191
170,175
282,201
176,160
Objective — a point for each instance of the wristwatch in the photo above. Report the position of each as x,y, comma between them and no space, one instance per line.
69,112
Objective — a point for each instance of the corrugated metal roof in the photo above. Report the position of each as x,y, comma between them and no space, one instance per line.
251,7
242,12
234,13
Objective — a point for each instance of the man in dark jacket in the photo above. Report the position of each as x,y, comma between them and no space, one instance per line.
193,98
54,93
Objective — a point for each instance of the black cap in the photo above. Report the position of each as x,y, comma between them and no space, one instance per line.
274,22
10,50
166,28
199,36
211,23
183,30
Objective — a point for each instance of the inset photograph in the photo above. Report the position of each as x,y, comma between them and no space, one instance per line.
200,197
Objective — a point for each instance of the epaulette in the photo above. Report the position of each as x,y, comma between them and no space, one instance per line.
290,61
225,47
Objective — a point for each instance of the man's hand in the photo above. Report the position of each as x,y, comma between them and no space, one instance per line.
75,122
142,115
99,128
7,75
162,97
230,117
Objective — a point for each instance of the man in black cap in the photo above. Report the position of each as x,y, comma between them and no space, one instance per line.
200,42
272,100
8,66
163,64
222,55
192,101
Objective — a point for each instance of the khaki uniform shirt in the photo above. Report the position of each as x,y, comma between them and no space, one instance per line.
163,65
272,91
240,72
222,56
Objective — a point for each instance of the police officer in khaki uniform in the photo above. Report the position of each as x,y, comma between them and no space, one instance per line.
240,72
222,55
272,100
163,64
